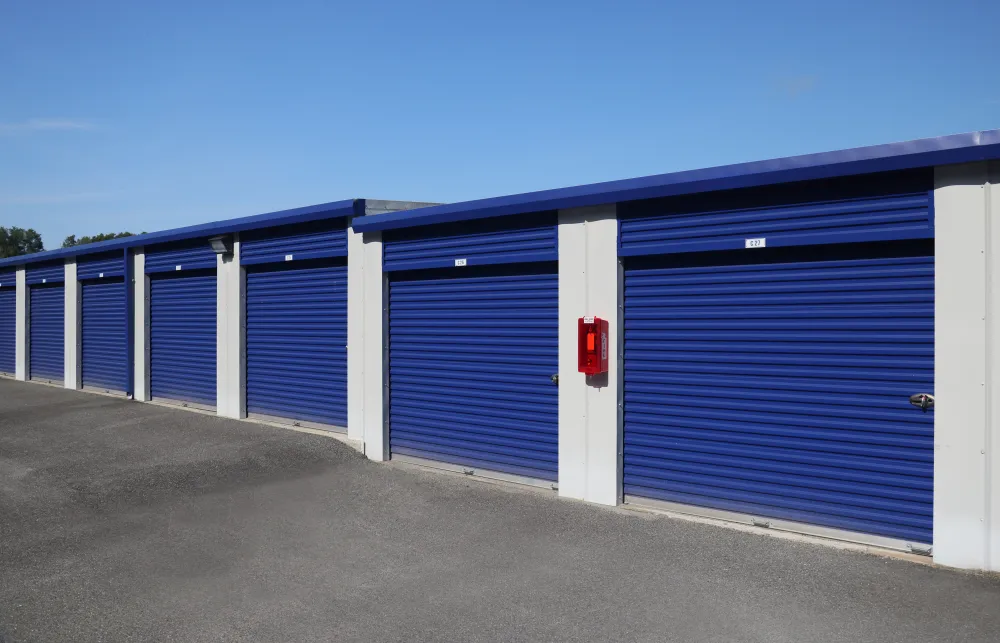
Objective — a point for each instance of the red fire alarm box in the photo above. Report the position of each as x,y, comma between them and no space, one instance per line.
593,347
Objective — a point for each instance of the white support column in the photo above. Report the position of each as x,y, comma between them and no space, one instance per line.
589,426
376,433
993,368
966,323
72,339
230,333
140,327
21,327
355,335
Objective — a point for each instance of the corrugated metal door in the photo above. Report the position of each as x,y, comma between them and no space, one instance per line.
297,343
781,390
105,345
471,361
182,314
46,332
8,325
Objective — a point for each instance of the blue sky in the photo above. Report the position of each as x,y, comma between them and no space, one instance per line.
151,115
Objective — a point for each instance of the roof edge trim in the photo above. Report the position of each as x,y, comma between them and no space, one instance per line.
943,150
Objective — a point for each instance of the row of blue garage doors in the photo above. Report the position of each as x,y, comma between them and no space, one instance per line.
103,344
296,323
772,338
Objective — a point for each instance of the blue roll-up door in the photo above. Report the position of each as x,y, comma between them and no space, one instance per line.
8,326
182,335
471,360
47,329
781,389
297,342
104,334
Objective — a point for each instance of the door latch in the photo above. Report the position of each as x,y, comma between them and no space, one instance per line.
922,401
555,379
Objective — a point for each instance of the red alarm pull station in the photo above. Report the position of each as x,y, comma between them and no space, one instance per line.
593,347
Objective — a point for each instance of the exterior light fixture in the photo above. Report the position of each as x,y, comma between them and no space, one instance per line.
221,245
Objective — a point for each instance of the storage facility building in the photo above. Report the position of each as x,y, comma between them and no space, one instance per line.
804,344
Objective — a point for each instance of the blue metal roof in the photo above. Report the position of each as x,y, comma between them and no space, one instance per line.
241,224
928,152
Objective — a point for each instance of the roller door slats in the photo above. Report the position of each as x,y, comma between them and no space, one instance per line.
711,432
102,266
778,361
679,433
769,408
472,458
691,444
815,421
914,288
8,327
514,435
196,254
885,484
46,332
487,447
824,212
808,488
297,340
464,395
748,388
482,242
45,273
641,317
468,422
878,376
760,495
745,504
182,338
849,393
327,238
914,202
430,387
104,334
900,221
777,385
469,406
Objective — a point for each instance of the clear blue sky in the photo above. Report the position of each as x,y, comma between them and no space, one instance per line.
151,115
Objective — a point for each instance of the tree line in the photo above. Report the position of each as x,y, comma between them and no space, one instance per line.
15,241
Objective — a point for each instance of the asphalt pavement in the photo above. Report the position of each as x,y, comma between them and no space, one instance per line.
122,521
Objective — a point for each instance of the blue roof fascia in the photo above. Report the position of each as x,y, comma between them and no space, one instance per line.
254,222
928,152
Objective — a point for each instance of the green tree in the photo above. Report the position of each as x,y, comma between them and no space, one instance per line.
71,240
16,241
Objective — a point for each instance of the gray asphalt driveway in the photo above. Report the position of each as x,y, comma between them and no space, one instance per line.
131,522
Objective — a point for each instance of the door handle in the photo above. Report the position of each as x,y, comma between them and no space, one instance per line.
922,401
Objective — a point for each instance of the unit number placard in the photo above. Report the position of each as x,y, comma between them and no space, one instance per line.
756,243
461,262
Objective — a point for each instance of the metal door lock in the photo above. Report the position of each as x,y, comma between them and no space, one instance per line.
555,379
922,401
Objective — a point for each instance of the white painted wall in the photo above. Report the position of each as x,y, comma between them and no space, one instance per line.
355,335
589,429
140,327
374,376
230,349
966,435
21,327
73,316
